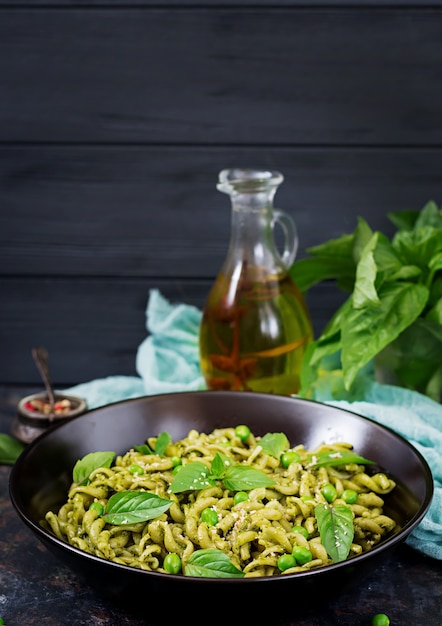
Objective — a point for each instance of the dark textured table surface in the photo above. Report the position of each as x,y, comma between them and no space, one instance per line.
35,588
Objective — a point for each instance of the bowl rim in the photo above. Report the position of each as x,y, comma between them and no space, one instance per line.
49,538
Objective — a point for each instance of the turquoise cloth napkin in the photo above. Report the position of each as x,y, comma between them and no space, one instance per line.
168,361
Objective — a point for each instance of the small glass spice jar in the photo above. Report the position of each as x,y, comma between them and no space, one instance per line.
34,415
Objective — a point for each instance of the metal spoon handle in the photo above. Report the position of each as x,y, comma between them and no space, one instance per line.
41,359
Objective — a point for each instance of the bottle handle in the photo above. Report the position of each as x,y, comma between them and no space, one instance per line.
290,234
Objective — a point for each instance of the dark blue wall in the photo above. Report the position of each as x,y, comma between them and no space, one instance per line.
116,117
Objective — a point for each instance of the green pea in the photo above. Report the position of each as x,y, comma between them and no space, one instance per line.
329,492
380,619
286,561
136,470
209,516
176,460
243,432
97,506
349,496
301,530
289,457
301,554
240,496
172,563
177,468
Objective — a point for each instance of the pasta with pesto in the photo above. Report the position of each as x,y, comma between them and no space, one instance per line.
263,518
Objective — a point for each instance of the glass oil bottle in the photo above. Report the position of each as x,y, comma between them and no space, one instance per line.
255,326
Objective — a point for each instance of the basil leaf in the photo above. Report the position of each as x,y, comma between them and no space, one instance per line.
386,258
325,459
321,348
219,464
330,340
436,262
430,215
308,272
433,388
366,331
338,248
417,357
332,259
403,220
130,507
274,444
417,247
335,525
405,273
162,442
361,237
435,299
244,478
322,357
90,462
10,449
434,315
364,292
210,563
309,374
192,476
144,449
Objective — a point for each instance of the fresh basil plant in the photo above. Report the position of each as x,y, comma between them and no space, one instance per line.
395,289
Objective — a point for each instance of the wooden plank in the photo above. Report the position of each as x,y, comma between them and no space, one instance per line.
226,3
93,327
221,75
155,211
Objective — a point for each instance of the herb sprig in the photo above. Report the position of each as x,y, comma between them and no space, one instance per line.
395,291
196,475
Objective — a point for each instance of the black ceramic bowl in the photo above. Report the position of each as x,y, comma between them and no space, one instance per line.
41,477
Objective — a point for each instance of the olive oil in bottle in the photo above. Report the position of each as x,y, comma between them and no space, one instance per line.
255,327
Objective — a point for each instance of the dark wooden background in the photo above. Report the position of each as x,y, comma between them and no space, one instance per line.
116,117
